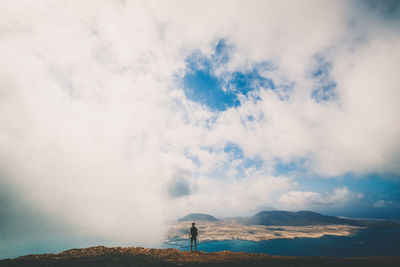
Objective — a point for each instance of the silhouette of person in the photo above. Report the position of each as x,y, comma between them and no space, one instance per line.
193,237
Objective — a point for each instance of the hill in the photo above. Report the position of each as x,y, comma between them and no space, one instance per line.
139,257
288,218
309,218
198,217
299,218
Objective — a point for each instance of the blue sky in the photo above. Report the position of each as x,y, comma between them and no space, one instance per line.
208,82
220,91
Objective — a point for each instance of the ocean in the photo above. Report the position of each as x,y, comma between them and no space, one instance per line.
368,242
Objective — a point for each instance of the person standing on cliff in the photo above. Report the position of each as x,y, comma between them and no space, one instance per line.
193,237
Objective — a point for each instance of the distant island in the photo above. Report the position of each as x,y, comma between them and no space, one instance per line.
294,218
307,218
288,218
267,225
198,217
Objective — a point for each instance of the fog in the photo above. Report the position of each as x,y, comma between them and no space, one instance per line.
98,140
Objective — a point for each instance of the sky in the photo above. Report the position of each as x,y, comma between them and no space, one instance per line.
118,116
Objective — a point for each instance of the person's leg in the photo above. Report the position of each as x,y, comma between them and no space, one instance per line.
195,244
191,244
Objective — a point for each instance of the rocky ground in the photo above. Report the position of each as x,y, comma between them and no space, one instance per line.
137,257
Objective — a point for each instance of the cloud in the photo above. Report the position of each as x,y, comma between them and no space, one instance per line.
382,203
179,186
340,196
95,124
231,197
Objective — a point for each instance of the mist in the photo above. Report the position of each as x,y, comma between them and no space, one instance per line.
100,144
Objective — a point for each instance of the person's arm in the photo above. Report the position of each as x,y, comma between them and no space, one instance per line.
190,234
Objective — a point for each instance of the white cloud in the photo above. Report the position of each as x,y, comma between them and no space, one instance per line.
231,197
295,200
382,203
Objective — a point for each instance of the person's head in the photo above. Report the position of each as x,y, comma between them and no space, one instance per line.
193,224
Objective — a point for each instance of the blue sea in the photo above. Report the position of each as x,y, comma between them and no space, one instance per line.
368,242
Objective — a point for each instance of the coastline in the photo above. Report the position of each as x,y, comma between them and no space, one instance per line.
364,243
231,230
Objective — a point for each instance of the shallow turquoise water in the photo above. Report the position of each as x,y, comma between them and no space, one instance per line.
369,242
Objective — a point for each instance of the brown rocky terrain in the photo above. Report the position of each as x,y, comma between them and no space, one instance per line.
137,257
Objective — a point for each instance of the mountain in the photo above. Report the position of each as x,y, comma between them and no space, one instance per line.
143,257
299,218
288,218
198,217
